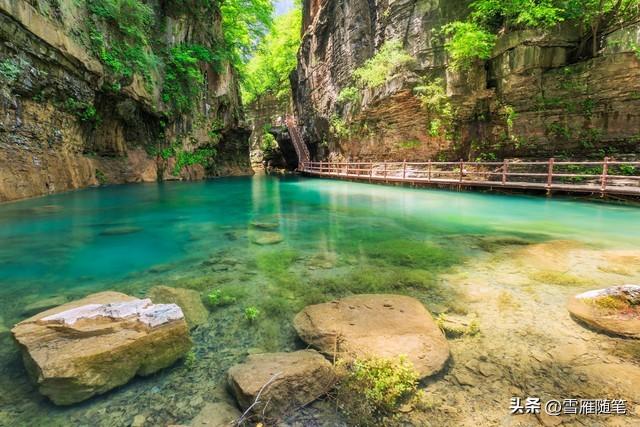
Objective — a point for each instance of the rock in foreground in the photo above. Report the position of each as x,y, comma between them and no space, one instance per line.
219,414
188,300
615,310
92,345
292,380
375,325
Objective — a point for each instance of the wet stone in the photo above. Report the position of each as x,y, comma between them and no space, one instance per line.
614,310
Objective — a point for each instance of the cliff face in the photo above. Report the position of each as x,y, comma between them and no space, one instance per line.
531,99
68,120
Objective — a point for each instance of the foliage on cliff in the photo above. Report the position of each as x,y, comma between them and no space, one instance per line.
268,70
474,38
244,23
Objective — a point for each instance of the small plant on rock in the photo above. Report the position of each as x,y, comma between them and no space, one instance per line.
372,390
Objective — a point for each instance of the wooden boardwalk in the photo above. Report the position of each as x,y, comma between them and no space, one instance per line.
608,177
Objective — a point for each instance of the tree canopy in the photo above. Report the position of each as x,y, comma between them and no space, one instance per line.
275,58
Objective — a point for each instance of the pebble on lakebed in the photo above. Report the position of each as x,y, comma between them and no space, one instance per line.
92,345
614,310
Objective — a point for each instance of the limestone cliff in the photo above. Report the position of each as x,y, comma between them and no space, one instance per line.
534,98
72,114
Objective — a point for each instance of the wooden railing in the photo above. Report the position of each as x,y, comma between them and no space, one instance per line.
605,177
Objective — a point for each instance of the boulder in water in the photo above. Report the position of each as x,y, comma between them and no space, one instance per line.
280,382
614,310
92,345
386,326
266,238
265,225
188,300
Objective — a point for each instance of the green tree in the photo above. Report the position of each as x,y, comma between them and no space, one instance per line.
268,70
245,23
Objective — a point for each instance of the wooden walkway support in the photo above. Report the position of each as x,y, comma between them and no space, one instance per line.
608,177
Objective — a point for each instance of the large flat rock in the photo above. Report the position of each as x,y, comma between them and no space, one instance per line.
283,381
90,346
375,325
614,310
188,300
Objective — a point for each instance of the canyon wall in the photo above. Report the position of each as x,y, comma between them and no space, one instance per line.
70,118
532,99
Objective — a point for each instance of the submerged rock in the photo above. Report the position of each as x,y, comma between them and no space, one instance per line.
118,231
375,325
266,238
281,382
265,225
92,345
43,304
189,301
219,414
615,310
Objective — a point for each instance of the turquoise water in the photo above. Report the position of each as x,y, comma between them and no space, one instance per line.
337,238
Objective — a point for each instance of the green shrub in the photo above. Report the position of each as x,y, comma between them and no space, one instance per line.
467,42
268,143
123,43
184,81
9,70
386,63
251,313
433,96
339,128
85,111
372,390
349,94
219,298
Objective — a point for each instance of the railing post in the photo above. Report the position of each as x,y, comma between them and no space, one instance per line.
461,169
321,170
429,172
385,171
550,175
370,171
505,168
347,173
605,171
404,169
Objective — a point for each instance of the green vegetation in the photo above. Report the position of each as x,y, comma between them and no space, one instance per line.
183,80
9,70
251,313
384,65
268,70
467,42
349,94
339,128
85,111
243,23
372,390
220,298
268,143
119,32
474,38
190,359
101,177
434,99
200,156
